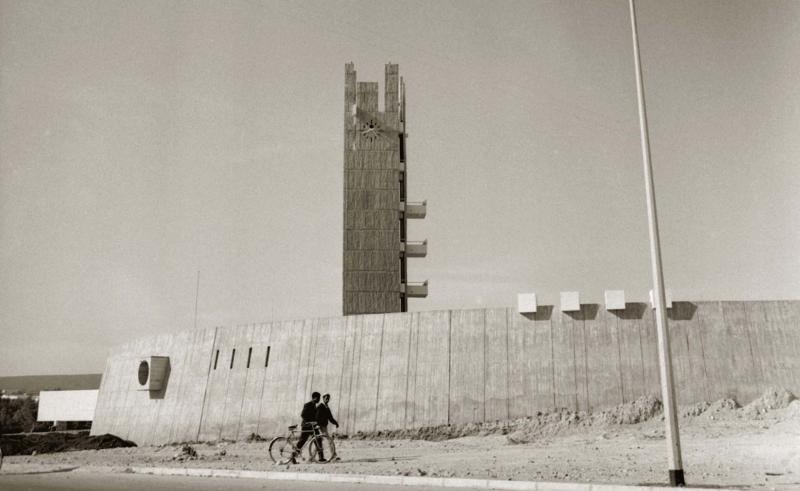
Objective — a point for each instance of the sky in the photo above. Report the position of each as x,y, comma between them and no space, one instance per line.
142,142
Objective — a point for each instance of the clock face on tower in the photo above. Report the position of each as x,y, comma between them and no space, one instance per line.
371,130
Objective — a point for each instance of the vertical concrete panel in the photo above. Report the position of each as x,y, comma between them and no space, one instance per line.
782,320
237,380
279,407
111,396
411,379
216,393
687,357
758,331
630,348
351,325
588,314
521,369
144,409
305,372
191,393
649,339
467,331
496,365
177,349
539,345
564,367
254,385
391,410
431,382
328,361
729,365
605,377
747,373
369,362
122,421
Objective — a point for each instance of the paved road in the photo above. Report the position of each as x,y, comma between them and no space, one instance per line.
85,481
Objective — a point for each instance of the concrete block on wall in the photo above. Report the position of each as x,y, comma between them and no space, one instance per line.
615,299
526,303
570,301
153,372
667,299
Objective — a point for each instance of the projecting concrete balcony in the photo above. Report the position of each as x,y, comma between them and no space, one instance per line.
414,248
414,210
418,290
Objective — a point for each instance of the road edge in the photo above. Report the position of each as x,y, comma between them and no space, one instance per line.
444,482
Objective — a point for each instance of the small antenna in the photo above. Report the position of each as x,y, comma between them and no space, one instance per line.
196,296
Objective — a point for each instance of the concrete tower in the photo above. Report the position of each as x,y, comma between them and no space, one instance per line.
375,206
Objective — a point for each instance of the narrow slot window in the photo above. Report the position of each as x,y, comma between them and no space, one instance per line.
266,361
233,356
216,359
249,354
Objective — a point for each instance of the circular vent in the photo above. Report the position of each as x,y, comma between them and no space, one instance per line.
144,372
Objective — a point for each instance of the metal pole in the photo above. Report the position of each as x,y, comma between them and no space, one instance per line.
664,356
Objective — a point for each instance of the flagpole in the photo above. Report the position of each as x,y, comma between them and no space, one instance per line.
676,477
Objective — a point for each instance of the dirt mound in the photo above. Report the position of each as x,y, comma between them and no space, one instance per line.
694,409
439,433
793,410
30,443
772,398
642,409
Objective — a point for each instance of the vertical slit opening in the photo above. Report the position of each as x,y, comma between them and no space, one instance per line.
266,361
249,354
233,356
216,359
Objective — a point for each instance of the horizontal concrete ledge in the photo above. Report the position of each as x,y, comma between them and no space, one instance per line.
444,482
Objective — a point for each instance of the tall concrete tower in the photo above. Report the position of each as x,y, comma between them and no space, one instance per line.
375,206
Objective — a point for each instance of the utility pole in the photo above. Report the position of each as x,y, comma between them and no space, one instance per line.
664,355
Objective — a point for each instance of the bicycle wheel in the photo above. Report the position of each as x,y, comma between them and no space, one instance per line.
281,450
321,449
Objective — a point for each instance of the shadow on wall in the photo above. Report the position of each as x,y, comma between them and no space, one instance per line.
543,313
680,311
633,310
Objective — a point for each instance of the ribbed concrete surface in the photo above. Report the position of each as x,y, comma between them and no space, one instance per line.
421,369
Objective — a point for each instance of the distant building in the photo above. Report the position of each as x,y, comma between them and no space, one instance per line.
375,200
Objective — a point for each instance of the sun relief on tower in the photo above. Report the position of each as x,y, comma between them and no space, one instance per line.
375,205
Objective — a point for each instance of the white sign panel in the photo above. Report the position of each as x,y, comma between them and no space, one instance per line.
67,405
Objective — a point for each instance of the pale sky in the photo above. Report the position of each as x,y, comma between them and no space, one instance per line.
143,141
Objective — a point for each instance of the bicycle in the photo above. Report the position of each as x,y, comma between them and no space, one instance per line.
321,448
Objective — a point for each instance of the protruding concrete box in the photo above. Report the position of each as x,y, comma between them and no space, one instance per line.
153,372
615,299
526,303
570,301
667,299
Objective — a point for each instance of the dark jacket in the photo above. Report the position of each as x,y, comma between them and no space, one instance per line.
324,415
309,412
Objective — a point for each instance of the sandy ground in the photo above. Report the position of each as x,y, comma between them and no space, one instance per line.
721,447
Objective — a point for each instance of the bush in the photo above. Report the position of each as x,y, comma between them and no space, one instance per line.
17,415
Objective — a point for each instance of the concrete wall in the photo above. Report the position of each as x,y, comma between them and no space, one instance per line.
408,370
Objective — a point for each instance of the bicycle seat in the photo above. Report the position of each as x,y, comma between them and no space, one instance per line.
292,427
